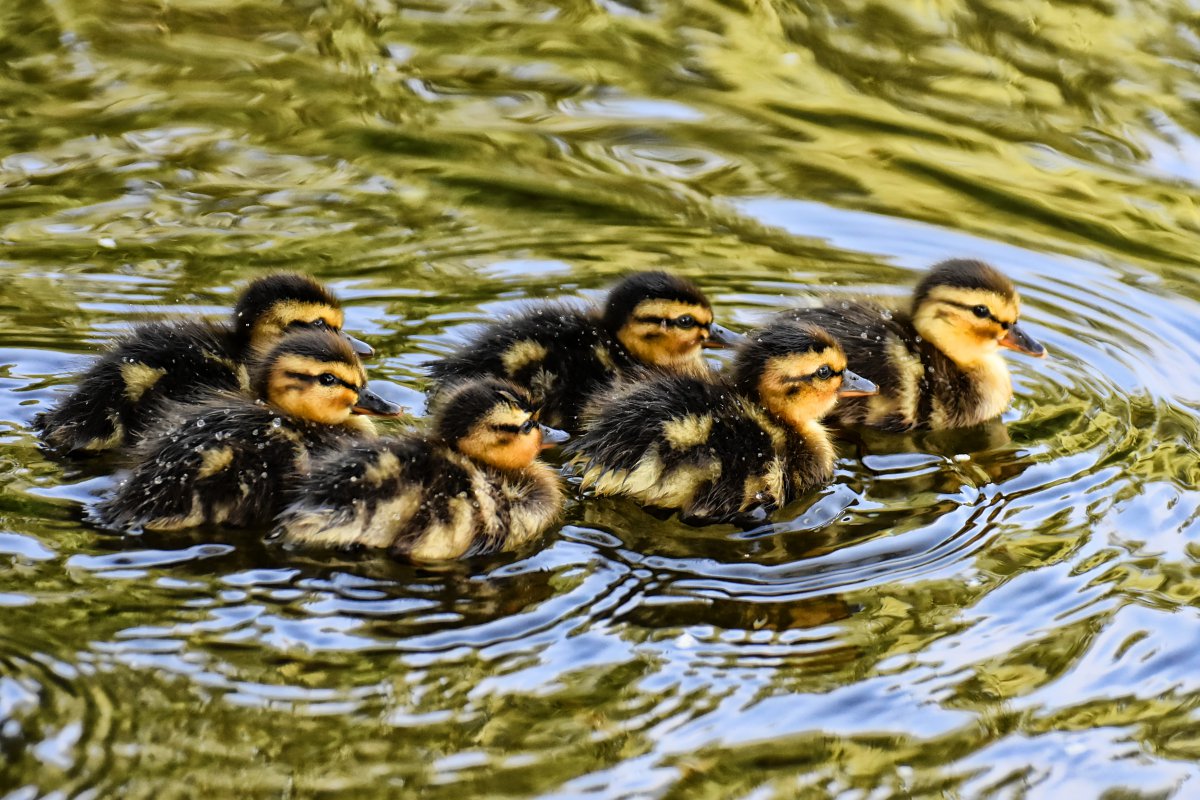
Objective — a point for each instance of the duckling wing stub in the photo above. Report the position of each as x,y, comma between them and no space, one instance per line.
119,397
557,352
218,465
622,428
418,500
674,442
388,494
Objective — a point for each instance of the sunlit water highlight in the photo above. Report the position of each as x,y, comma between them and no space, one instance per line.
1009,611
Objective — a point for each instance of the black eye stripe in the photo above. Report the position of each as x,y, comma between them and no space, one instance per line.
990,315
684,322
812,376
525,428
318,324
304,376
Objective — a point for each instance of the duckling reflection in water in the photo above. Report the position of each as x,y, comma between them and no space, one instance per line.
718,450
122,394
227,460
474,487
938,364
563,355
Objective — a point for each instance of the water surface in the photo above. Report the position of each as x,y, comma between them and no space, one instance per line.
1002,612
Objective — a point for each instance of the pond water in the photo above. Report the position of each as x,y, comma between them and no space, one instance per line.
1003,612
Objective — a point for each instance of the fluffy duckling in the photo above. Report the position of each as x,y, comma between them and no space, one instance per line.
473,487
722,450
563,355
938,364
119,398
225,461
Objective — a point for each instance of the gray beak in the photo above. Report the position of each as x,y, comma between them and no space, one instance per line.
854,385
372,405
720,337
1017,339
358,345
552,436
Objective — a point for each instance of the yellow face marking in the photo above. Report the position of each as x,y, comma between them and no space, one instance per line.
686,432
271,326
1005,309
139,378
352,374
947,319
651,338
213,461
792,388
294,387
672,309
499,439
522,354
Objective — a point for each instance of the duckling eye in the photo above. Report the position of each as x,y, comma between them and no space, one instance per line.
528,426
328,379
685,322
317,324
824,373
981,312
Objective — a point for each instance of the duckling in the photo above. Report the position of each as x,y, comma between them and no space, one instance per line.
563,355
938,364
118,398
722,450
225,461
474,487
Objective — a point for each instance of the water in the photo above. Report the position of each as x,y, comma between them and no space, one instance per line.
1004,612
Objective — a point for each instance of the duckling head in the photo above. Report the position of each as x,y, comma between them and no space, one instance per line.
315,375
969,310
797,371
664,320
277,304
494,422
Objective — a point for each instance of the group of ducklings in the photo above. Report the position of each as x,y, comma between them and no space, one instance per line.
265,419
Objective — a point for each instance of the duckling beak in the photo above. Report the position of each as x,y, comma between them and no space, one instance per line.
854,385
1017,339
372,405
358,345
720,337
552,436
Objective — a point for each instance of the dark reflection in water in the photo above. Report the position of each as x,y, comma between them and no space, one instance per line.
1009,611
